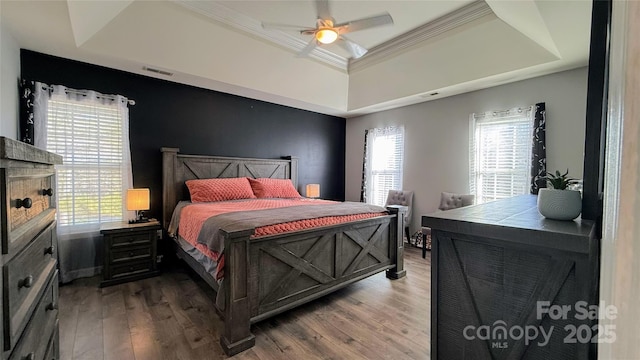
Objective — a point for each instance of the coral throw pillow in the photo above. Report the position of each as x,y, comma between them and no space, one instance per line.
204,190
273,188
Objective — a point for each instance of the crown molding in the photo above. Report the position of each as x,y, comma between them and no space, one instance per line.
415,37
223,14
220,13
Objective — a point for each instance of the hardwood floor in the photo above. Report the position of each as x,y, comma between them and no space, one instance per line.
172,317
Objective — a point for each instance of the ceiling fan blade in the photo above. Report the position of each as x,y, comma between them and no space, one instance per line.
322,8
361,24
354,49
308,49
286,27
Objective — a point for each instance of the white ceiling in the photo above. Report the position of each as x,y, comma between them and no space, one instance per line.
407,15
444,47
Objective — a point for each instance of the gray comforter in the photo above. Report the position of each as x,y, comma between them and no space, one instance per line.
213,238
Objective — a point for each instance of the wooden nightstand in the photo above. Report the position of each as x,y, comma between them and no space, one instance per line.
130,251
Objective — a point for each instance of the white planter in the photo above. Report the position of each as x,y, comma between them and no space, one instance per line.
559,204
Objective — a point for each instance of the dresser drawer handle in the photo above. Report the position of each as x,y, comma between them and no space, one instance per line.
50,250
48,192
130,253
26,282
31,356
51,306
26,203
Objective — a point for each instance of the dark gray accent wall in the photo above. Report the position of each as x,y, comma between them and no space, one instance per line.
201,121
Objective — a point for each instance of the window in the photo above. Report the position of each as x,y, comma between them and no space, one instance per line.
383,166
90,136
500,154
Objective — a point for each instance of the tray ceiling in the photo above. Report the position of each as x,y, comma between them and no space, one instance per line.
443,47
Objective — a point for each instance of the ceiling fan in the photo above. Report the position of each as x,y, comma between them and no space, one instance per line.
327,31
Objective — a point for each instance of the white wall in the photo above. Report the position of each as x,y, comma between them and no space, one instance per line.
444,62
9,74
437,135
620,263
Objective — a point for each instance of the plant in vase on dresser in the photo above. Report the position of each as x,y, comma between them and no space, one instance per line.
558,202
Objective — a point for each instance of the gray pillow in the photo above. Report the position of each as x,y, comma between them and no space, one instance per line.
450,201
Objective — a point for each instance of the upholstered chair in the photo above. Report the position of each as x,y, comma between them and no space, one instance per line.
448,201
404,198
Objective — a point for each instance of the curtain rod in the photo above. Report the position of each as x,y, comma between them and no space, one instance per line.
84,93
496,112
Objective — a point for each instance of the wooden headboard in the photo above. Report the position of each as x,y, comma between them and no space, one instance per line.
178,168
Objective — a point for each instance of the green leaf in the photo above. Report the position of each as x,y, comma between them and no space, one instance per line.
559,181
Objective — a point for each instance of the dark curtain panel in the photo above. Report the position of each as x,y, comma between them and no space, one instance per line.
363,187
539,150
27,97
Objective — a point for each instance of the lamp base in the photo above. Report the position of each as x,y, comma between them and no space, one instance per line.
140,218
138,221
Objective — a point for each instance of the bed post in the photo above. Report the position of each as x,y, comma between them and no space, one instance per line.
236,335
396,241
293,169
169,200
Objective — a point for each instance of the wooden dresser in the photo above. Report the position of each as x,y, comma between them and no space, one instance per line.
500,268
29,257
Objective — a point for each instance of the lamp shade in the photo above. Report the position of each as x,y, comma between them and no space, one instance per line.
313,190
138,199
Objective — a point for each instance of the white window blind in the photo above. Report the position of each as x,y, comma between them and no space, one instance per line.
385,153
89,137
500,154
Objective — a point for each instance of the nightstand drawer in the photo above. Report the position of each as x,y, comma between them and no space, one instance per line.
42,325
130,254
131,239
130,268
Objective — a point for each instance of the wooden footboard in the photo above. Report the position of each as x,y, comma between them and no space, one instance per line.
269,275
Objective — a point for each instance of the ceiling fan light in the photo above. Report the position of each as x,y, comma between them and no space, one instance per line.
326,36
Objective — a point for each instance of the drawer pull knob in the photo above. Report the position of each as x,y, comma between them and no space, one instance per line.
50,250
130,253
51,306
26,203
31,356
26,282
48,192
131,240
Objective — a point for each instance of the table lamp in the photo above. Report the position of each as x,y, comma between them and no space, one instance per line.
313,190
138,200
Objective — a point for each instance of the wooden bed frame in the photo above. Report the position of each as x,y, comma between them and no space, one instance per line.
269,275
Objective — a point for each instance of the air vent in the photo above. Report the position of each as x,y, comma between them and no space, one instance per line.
428,95
158,71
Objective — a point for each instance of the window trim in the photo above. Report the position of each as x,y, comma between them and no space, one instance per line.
370,172
117,106
497,117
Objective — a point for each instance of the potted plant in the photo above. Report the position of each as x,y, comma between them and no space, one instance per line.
558,202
